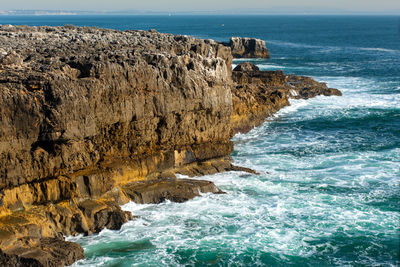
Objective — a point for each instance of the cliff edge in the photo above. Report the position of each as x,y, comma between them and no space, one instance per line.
94,118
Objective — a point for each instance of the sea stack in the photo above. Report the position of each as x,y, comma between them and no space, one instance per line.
248,48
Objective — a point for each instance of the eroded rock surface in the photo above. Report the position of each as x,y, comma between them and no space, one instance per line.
74,97
176,190
248,48
93,118
257,95
85,110
306,87
42,252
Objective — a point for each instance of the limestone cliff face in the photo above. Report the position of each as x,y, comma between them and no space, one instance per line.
85,111
93,118
72,98
257,94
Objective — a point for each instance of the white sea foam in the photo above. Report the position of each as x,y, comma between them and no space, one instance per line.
392,51
181,176
247,219
271,66
312,203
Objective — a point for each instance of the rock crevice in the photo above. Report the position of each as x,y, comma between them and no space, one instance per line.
94,118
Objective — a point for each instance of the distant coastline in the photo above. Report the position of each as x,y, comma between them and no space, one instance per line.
39,13
278,12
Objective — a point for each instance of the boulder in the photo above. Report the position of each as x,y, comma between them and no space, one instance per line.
248,48
246,67
43,252
176,190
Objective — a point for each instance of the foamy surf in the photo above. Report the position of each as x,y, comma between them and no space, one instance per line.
328,192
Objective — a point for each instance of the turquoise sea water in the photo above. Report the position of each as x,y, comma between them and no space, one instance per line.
329,193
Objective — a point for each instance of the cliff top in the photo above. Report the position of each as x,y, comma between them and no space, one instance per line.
45,48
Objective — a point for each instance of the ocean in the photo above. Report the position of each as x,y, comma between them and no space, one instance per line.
329,189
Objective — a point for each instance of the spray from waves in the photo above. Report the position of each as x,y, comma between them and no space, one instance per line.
271,66
276,219
253,60
362,92
361,179
339,207
265,64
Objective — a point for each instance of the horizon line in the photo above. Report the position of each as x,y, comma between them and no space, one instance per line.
66,12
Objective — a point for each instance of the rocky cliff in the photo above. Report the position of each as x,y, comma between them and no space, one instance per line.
257,95
93,118
248,48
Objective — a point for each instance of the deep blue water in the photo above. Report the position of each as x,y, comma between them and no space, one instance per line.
331,196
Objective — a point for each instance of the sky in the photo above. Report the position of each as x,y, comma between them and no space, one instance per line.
260,6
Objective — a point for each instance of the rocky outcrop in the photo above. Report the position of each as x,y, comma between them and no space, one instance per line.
42,252
248,48
85,111
86,96
94,118
305,87
257,95
176,190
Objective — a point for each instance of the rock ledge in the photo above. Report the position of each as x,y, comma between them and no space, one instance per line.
94,118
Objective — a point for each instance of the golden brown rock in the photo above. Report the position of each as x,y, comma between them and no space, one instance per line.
85,111
248,48
43,252
257,95
176,190
94,118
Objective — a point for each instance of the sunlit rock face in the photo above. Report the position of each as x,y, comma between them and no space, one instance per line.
248,48
85,111
94,118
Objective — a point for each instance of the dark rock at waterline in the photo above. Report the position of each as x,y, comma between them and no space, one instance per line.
10,260
176,190
246,67
42,252
306,87
104,214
